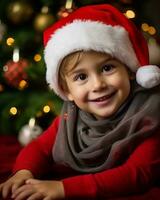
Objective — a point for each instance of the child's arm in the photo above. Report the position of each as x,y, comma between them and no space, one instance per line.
136,175
37,156
34,158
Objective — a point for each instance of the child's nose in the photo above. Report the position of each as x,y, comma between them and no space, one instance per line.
98,83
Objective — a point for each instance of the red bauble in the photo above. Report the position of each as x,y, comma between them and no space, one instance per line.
14,72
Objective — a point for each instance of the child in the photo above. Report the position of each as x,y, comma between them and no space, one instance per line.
106,141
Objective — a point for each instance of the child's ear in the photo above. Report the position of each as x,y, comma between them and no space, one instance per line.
66,92
69,96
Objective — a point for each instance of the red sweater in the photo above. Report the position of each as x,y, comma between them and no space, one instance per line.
137,174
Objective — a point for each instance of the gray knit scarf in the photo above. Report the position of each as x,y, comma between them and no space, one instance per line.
89,145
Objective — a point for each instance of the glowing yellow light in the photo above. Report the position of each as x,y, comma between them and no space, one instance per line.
10,41
46,109
16,8
5,68
152,30
145,27
130,14
68,4
16,55
45,9
22,84
32,122
13,111
65,14
37,57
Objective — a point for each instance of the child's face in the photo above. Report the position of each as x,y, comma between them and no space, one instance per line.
98,84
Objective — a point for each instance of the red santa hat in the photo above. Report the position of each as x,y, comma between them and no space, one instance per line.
104,29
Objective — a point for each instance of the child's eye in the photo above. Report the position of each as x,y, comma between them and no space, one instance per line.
108,68
80,77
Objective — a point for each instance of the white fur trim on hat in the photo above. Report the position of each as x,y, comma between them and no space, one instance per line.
86,35
148,76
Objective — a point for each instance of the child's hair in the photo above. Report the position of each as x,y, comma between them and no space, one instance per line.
70,60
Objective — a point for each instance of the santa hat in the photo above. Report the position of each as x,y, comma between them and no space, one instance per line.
104,29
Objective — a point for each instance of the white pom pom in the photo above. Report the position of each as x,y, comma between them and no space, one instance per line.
148,76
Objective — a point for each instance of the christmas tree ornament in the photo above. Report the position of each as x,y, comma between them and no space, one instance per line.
19,12
2,30
14,70
43,19
66,10
29,132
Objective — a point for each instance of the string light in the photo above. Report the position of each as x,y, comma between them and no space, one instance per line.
45,9
46,109
13,111
65,14
32,122
17,8
145,27
5,68
10,41
130,14
16,55
152,30
37,57
68,4
23,84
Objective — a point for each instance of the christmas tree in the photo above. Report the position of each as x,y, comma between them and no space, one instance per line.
24,94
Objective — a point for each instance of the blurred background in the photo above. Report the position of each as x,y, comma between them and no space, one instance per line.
26,102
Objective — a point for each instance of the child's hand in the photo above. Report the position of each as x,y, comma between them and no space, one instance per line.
37,189
17,180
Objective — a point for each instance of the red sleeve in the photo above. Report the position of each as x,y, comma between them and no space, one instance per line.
135,175
36,155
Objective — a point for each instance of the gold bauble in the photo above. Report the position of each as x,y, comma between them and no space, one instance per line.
19,12
42,21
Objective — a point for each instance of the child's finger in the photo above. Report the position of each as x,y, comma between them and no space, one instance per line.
6,188
47,198
22,191
32,181
16,185
36,196
24,195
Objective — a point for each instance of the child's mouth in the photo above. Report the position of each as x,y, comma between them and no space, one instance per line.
105,98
